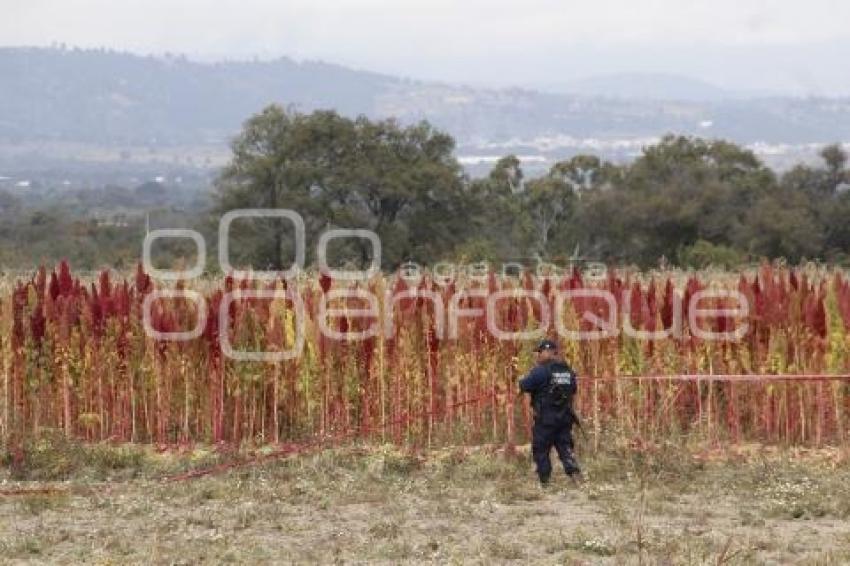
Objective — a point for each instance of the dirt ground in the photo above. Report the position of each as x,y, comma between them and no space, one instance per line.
459,506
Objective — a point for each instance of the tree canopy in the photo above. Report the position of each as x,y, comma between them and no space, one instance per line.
688,200
401,182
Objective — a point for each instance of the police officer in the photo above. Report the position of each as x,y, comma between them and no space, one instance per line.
552,384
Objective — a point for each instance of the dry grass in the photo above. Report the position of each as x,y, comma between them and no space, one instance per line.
378,504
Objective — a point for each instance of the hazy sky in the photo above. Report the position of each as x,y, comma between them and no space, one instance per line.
800,46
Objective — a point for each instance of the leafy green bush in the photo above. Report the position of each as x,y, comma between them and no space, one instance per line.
703,254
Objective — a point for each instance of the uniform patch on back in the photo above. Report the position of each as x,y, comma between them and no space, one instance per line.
562,385
562,377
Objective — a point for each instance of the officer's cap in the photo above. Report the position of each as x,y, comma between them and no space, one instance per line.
546,345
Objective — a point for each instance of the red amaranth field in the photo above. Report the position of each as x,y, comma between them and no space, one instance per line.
74,356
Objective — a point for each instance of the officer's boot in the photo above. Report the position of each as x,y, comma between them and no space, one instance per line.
571,467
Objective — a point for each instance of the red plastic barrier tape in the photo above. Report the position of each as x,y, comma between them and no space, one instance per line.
725,377
292,449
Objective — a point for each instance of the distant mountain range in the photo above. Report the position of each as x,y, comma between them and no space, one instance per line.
112,99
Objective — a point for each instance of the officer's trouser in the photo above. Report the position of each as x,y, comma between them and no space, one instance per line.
544,437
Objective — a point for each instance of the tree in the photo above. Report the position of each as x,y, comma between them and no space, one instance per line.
835,159
507,176
820,181
687,189
495,213
781,225
401,182
548,200
586,172
837,228
273,166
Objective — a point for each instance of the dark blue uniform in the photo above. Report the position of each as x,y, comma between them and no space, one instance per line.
552,425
